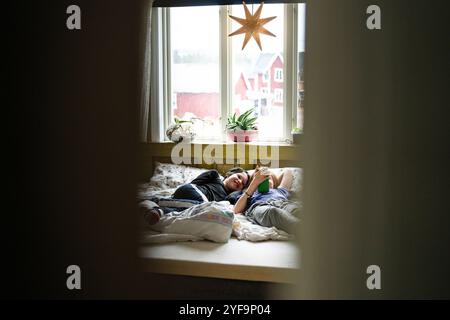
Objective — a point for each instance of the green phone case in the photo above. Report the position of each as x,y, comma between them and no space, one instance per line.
263,187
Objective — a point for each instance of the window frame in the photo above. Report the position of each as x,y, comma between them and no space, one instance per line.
161,72
277,97
266,76
278,71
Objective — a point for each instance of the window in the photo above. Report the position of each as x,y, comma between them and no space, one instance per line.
278,93
279,75
203,75
266,76
257,65
194,71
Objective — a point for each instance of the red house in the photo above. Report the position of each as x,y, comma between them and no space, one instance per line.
196,88
263,87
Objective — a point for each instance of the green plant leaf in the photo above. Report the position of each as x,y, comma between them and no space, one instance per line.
178,121
245,121
246,114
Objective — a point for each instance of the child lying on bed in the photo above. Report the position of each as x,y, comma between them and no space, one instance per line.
272,208
208,186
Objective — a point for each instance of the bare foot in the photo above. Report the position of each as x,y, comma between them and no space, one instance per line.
152,216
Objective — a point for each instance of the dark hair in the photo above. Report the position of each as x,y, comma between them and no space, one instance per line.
238,170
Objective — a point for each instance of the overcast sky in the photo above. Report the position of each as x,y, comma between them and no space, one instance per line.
197,28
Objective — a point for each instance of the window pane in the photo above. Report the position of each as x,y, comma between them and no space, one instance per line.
255,80
194,44
301,59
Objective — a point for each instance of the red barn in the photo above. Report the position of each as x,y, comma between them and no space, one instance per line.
195,90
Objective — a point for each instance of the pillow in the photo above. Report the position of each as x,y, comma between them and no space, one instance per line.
297,173
168,175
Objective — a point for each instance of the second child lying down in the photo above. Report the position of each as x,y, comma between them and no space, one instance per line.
272,208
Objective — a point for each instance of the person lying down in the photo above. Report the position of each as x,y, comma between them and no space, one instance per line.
208,186
268,208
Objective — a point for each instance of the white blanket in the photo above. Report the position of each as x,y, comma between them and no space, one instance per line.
200,223
244,229
165,180
209,220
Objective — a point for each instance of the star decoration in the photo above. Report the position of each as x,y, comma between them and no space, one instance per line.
252,25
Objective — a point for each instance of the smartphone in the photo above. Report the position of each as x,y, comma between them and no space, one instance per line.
263,187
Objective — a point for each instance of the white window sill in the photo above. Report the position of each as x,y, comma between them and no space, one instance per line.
227,142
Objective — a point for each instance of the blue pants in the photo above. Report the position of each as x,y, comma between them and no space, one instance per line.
282,214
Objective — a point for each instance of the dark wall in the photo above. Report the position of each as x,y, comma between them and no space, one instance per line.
376,178
71,179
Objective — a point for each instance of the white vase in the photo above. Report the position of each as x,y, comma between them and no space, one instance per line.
180,132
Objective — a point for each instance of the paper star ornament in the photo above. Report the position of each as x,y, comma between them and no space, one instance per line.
252,25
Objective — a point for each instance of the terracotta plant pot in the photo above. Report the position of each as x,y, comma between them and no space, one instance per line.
243,135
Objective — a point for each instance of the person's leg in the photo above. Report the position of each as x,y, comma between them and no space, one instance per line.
150,212
292,207
154,215
190,192
271,216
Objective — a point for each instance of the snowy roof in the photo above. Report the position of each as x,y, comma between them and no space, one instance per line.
195,78
264,62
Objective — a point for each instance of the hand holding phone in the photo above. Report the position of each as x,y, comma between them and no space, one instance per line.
263,187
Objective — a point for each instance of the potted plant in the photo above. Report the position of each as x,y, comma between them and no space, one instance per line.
180,130
296,135
242,128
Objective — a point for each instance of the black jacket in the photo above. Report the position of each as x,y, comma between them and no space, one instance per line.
211,184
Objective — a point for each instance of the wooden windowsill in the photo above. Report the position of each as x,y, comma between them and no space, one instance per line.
269,261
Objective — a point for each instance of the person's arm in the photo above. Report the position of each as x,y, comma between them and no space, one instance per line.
206,177
234,196
241,204
286,179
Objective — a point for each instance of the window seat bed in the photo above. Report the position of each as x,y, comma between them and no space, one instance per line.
269,261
